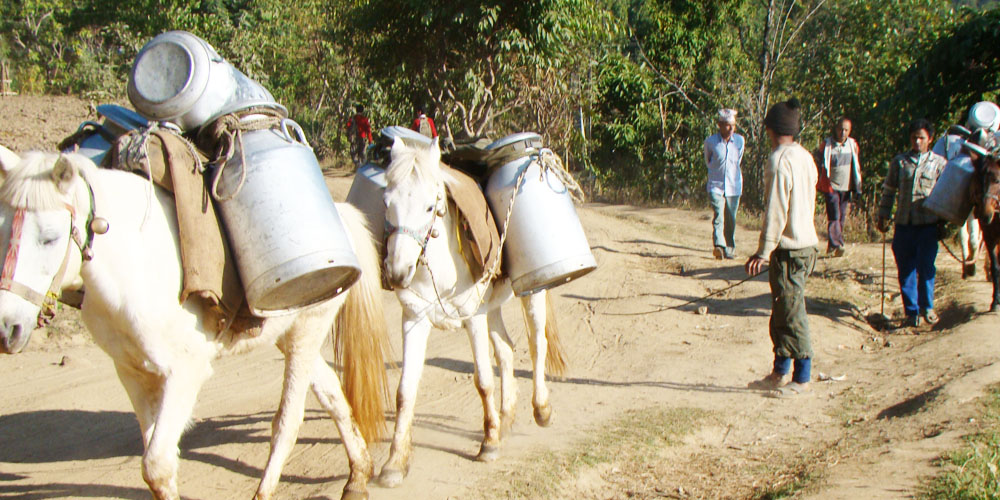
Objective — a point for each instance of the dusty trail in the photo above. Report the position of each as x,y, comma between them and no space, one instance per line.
67,431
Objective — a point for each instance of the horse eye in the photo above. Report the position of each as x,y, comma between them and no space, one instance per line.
430,209
49,240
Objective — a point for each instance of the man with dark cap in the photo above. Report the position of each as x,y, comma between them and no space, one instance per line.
788,244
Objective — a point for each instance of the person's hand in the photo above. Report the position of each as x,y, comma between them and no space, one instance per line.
754,265
882,224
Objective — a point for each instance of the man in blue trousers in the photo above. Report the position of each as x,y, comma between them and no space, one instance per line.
910,180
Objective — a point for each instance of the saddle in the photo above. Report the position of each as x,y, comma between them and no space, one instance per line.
477,231
209,271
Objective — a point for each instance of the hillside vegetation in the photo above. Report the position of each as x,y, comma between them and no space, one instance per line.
624,90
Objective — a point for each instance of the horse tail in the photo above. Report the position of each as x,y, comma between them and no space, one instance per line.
361,342
555,357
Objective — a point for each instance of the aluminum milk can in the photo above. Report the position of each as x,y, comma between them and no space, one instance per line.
290,245
366,194
179,77
545,245
950,197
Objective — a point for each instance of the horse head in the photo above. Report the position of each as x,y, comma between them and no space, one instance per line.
415,200
42,213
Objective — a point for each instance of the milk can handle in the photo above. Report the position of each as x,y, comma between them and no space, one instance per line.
300,136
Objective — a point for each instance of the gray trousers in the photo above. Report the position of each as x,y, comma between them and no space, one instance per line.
789,326
724,220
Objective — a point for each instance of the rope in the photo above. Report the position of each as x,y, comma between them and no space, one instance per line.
227,134
488,274
549,163
692,301
133,154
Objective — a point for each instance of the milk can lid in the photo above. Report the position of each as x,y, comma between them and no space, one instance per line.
404,133
511,139
984,114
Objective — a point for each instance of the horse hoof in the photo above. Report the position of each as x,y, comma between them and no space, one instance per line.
543,415
354,495
488,453
390,478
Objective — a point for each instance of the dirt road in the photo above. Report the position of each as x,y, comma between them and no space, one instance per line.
677,377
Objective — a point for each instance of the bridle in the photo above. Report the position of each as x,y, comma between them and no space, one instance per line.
47,301
422,234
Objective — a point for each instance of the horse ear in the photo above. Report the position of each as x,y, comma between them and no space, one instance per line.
8,160
397,146
64,172
435,149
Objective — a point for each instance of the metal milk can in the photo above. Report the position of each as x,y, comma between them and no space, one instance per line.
179,77
545,245
290,245
950,197
366,194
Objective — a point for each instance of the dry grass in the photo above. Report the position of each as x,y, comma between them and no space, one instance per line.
639,437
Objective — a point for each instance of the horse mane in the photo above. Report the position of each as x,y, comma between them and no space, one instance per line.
30,186
418,161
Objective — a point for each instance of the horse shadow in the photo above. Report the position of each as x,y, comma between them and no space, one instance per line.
67,490
73,435
68,435
460,366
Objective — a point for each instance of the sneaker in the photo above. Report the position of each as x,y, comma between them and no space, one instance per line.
729,253
717,253
931,317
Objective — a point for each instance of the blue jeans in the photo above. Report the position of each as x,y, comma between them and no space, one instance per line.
915,247
724,220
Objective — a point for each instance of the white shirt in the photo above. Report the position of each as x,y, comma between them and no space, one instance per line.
723,160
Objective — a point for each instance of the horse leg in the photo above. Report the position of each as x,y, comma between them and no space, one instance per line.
415,333
478,331
504,354
142,401
179,391
534,313
994,254
301,346
326,387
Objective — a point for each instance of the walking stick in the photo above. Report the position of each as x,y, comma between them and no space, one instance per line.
882,297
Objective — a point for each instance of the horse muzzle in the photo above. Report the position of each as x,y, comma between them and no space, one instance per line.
400,276
13,337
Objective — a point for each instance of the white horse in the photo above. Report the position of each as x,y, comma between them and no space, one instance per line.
163,350
436,288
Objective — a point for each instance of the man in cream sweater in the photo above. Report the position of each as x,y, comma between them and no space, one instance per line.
788,245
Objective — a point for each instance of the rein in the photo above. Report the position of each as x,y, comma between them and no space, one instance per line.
47,302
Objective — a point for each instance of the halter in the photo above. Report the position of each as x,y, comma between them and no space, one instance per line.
47,302
422,234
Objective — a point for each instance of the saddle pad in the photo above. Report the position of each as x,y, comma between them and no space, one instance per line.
209,269
476,227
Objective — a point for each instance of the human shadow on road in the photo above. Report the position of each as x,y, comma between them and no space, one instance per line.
467,367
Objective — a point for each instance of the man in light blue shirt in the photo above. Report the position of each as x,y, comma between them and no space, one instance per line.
723,154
